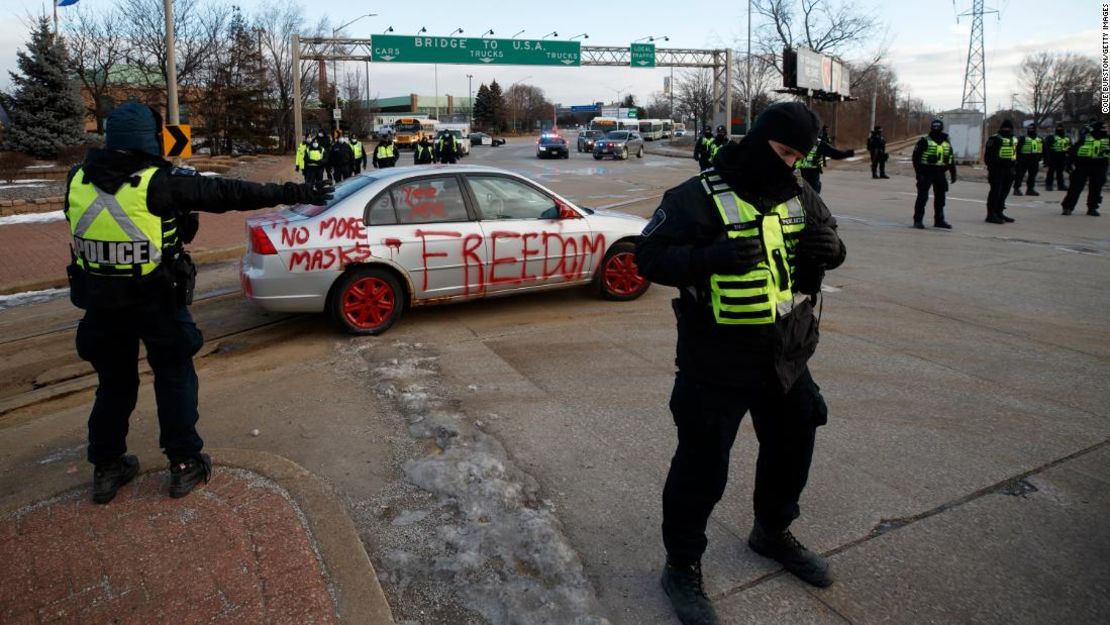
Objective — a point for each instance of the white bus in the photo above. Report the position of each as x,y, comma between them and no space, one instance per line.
651,129
668,128
604,124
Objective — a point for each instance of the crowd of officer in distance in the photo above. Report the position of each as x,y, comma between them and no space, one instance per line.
336,156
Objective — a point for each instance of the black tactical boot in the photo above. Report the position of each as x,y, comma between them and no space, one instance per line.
1031,192
790,553
683,584
186,473
942,224
108,477
1018,192
993,218
1093,212
918,225
1004,217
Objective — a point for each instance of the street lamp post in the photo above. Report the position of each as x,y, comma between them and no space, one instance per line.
335,76
518,32
488,32
583,35
459,31
550,34
470,96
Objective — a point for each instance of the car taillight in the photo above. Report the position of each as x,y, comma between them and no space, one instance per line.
260,243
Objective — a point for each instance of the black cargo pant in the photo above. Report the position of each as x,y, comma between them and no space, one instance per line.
930,178
1087,172
878,163
109,339
707,418
1055,174
1027,169
1000,180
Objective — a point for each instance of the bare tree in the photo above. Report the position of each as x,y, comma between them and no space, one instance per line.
694,95
1047,78
835,28
276,25
97,47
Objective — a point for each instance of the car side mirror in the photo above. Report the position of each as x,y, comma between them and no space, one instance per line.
566,212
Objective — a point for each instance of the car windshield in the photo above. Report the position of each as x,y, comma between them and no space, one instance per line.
618,135
553,140
593,134
343,190
414,127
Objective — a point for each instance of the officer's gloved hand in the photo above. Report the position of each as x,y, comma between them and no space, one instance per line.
732,256
851,153
819,245
952,176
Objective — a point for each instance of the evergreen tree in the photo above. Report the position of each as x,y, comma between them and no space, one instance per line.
234,107
45,106
482,113
497,110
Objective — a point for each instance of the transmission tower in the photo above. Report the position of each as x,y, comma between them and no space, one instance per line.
975,76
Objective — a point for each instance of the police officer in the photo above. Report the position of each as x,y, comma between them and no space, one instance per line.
130,213
1090,155
809,166
1000,153
720,138
701,148
876,146
385,154
340,158
298,162
359,162
932,158
1056,151
422,152
1030,149
315,162
447,147
747,247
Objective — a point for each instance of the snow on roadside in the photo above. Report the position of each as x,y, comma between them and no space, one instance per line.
30,297
31,218
25,183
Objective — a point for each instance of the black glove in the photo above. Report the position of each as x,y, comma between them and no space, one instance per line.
732,256
952,175
851,153
818,244
307,193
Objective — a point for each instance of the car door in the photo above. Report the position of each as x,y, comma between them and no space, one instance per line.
423,225
533,239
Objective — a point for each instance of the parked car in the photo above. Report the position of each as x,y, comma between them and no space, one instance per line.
481,138
413,236
619,144
552,146
680,133
587,138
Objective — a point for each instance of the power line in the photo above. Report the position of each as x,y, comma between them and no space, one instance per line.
975,75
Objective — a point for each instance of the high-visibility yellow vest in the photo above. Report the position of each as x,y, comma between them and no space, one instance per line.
1094,148
1060,144
314,157
421,149
936,153
764,292
117,235
1007,149
301,149
1031,146
810,160
384,151
356,147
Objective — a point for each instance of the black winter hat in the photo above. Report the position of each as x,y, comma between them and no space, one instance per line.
936,124
1007,123
789,123
134,126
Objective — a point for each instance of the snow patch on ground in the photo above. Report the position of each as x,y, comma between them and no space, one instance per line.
22,183
32,218
466,527
30,297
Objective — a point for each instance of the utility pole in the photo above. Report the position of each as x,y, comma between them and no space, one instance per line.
748,85
470,97
975,76
874,96
171,67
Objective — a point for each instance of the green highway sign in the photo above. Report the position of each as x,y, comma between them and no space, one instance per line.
643,54
419,49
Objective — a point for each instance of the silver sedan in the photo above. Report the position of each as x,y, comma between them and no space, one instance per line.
414,236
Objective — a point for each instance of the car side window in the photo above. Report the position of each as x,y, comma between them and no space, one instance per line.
505,198
427,200
382,210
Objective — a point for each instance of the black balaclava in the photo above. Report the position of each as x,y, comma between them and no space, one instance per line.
1006,129
1031,131
1059,131
936,130
753,166
1098,131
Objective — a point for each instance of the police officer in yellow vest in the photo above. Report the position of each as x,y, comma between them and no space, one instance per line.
298,163
701,148
1000,154
130,213
1056,148
1090,155
810,165
385,154
932,158
747,247
422,152
315,162
1030,150
359,162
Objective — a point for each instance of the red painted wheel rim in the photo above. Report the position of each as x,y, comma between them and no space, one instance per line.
368,303
621,275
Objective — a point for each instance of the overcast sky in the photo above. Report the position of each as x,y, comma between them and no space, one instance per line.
927,47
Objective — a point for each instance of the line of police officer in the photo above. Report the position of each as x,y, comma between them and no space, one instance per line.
317,156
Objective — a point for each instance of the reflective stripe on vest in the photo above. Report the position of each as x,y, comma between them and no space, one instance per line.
420,150
314,157
762,293
1031,146
384,151
1007,150
1060,144
809,161
1094,148
117,235
936,153
356,147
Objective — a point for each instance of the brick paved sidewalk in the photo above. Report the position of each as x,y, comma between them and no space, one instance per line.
235,551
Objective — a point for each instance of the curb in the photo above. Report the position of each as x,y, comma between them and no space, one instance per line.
359,599
202,257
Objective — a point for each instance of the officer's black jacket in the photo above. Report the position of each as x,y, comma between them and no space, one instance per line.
990,154
1031,156
920,147
876,143
670,253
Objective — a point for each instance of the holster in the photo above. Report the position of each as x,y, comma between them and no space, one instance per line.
183,273
78,287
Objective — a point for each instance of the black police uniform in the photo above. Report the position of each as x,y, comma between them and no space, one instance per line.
1089,171
1056,149
701,149
876,146
1028,165
931,176
725,371
1000,172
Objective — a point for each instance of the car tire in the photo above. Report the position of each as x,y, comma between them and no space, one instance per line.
597,157
640,154
367,300
566,154
617,277
624,154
